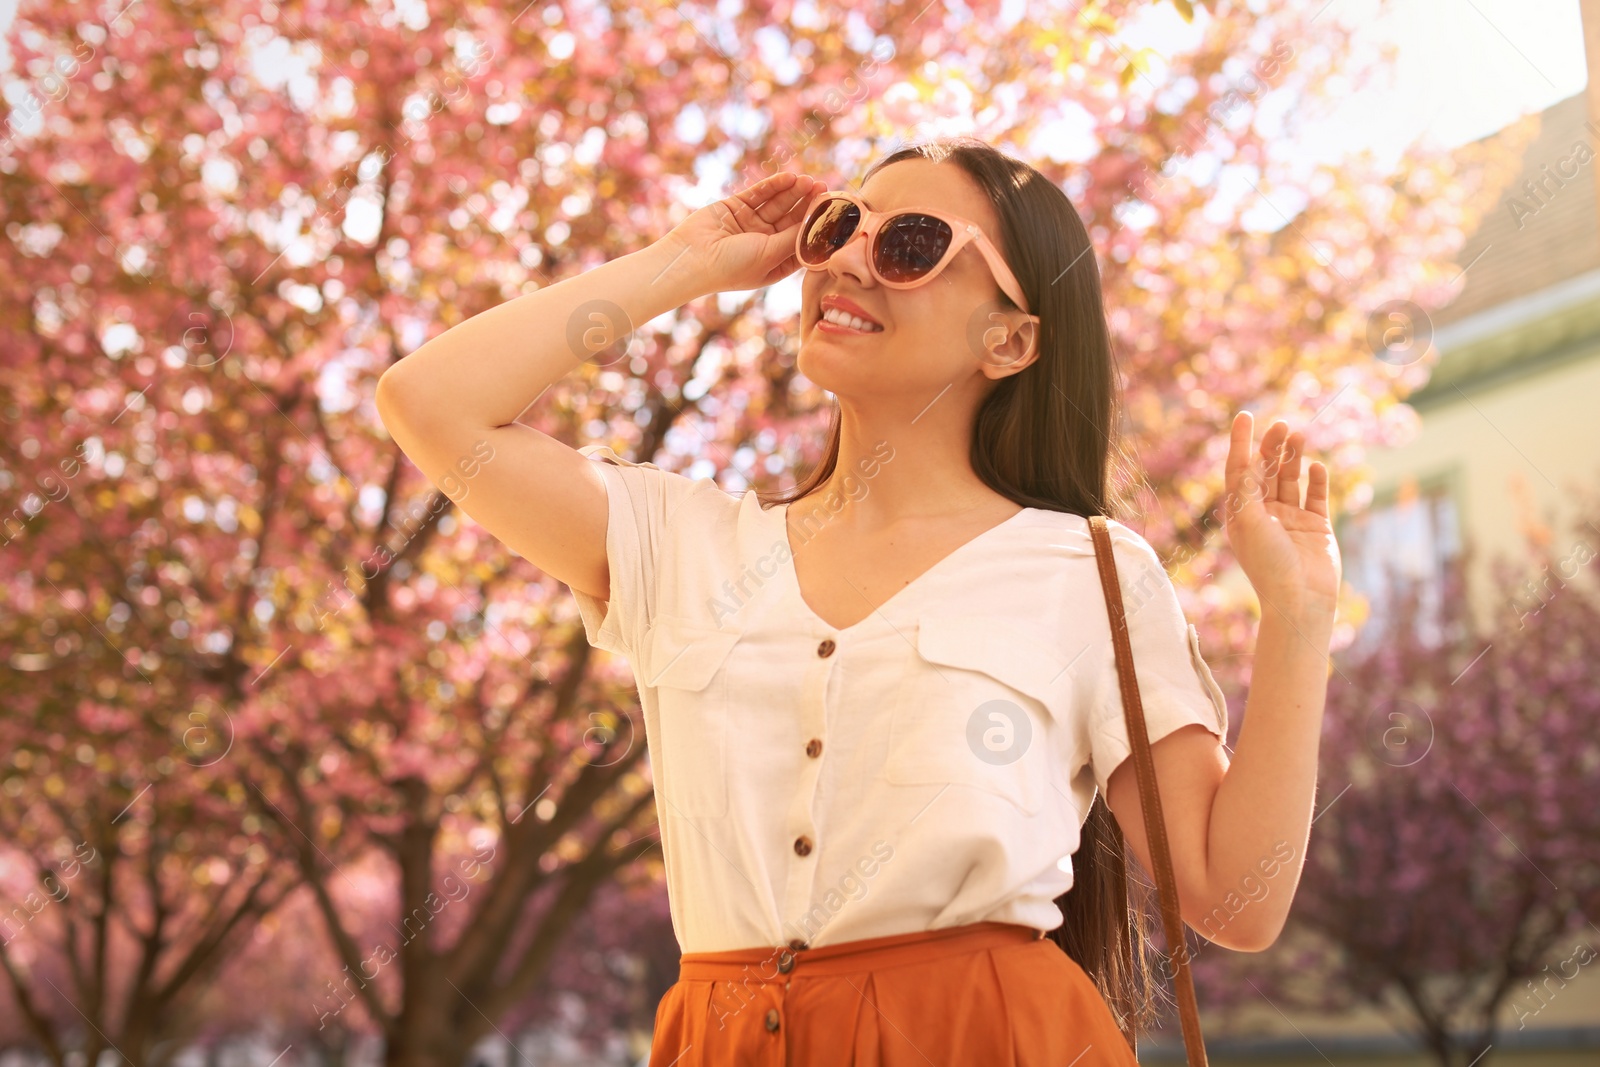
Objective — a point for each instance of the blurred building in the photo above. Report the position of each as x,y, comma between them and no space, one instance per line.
1510,439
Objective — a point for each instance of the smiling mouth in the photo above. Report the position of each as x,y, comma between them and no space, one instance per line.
841,320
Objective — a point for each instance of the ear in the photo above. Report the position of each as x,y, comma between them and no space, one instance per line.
1010,344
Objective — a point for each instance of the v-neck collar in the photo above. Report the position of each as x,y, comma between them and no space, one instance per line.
781,511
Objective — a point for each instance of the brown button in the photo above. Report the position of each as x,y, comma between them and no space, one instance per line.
772,1019
802,845
785,961
798,944
826,648
814,747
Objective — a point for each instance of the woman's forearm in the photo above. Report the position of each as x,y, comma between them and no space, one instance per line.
1261,818
487,370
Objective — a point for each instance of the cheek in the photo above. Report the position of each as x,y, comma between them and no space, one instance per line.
810,289
939,332
924,346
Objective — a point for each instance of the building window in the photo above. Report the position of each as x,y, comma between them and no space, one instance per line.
1405,545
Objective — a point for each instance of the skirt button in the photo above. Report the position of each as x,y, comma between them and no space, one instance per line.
772,1019
785,961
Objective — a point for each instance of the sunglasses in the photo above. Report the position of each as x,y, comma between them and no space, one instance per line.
906,247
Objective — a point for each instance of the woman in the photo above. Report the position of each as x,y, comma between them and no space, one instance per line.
880,707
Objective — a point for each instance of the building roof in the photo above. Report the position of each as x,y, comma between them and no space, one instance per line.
1534,239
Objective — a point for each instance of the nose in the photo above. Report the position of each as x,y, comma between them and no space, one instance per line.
851,258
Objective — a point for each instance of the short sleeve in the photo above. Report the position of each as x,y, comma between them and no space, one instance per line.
641,500
1175,685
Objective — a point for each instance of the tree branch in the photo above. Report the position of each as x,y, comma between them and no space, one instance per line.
38,1024
578,886
312,874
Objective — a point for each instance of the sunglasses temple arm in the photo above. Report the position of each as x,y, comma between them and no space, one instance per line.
1002,273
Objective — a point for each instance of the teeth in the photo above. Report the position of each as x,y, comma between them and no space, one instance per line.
841,318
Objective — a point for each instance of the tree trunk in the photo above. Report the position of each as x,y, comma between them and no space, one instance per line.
425,1035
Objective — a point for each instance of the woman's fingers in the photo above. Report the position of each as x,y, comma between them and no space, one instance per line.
804,191
1271,461
1236,472
1261,485
744,205
768,204
782,270
754,196
1289,471
1317,490
1272,473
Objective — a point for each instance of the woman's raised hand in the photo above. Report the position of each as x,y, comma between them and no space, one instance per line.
744,241
1285,548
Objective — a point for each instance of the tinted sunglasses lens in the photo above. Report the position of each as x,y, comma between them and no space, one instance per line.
911,245
827,228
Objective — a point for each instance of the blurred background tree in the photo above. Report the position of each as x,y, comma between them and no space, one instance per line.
1455,858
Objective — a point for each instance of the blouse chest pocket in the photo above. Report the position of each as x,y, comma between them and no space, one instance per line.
976,709
681,662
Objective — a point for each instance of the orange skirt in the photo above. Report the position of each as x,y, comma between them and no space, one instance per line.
988,993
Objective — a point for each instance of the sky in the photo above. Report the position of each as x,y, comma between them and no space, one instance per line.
1464,68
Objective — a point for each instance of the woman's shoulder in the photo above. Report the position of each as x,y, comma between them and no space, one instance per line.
667,496
1068,543
1076,527
678,481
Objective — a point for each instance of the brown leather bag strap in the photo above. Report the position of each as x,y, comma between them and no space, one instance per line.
1144,767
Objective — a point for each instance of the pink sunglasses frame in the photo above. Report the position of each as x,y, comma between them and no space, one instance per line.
963,232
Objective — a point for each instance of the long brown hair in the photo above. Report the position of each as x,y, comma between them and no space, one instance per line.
1046,438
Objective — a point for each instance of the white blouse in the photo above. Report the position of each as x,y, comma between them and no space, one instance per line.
929,766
